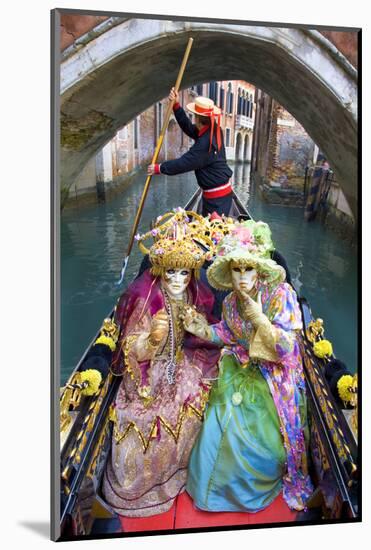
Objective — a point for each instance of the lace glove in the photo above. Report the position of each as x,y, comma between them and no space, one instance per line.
263,341
146,344
195,323
253,311
159,328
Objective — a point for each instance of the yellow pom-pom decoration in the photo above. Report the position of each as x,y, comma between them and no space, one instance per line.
94,379
107,341
322,348
345,384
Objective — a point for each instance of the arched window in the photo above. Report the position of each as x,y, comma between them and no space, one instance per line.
227,137
229,108
239,102
222,98
251,105
213,91
244,104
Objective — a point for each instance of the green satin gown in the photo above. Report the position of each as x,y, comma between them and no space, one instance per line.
239,459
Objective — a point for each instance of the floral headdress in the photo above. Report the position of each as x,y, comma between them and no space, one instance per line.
247,243
180,241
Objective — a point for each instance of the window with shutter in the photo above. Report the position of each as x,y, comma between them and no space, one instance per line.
231,103
221,100
227,137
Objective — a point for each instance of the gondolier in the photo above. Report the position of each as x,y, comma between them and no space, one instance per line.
206,157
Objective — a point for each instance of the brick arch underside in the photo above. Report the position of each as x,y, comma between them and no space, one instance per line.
94,108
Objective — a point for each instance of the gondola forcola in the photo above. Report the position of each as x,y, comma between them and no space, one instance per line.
87,428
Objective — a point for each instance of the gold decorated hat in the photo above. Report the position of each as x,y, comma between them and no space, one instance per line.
180,241
248,243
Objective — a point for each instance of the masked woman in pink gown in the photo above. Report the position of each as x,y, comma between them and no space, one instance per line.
166,373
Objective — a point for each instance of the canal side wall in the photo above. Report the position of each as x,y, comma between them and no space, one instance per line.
281,151
337,215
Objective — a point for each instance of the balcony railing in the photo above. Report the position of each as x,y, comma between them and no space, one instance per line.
243,121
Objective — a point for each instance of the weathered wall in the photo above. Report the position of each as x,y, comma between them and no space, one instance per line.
290,150
74,26
346,42
86,181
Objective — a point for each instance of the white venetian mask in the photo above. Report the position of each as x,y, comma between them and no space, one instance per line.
243,277
175,281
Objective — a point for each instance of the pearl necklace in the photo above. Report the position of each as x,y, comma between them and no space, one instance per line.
171,364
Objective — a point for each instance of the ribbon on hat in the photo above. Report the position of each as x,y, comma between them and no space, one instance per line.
204,111
215,118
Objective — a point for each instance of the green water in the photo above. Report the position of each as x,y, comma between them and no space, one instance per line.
93,243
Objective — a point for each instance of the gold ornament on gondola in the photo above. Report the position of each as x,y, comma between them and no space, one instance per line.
354,403
109,334
181,240
315,330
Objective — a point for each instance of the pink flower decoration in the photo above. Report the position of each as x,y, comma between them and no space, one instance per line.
244,235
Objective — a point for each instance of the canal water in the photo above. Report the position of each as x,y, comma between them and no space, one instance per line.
94,240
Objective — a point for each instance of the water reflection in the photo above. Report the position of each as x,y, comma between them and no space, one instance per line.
241,180
94,242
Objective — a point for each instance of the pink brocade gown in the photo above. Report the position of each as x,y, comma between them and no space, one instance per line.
155,423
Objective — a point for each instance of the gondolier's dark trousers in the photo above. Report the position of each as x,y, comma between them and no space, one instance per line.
220,205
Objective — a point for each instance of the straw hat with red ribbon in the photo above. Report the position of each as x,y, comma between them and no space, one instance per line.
204,106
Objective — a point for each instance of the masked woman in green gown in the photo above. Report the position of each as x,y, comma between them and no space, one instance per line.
252,443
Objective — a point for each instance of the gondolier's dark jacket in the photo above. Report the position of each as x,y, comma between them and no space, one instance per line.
211,168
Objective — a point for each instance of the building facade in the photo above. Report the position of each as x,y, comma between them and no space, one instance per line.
133,145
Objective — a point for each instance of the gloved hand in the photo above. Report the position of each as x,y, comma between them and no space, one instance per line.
195,323
159,328
252,310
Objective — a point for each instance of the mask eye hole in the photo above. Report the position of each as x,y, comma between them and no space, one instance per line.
184,272
170,271
237,269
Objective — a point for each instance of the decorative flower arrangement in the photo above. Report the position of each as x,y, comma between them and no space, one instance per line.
322,349
244,235
94,379
344,385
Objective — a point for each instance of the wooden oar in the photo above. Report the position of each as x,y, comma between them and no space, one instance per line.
154,160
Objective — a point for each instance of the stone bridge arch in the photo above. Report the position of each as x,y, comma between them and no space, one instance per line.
114,73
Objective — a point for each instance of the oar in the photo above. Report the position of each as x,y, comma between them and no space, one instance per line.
154,160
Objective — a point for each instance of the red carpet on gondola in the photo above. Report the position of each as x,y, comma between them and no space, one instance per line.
152,523
184,515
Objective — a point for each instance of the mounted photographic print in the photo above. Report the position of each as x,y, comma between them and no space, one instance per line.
205,266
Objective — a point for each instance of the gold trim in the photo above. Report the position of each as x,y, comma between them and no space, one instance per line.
186,410
327,408
315,330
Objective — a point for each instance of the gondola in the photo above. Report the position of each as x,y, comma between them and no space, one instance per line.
86,435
